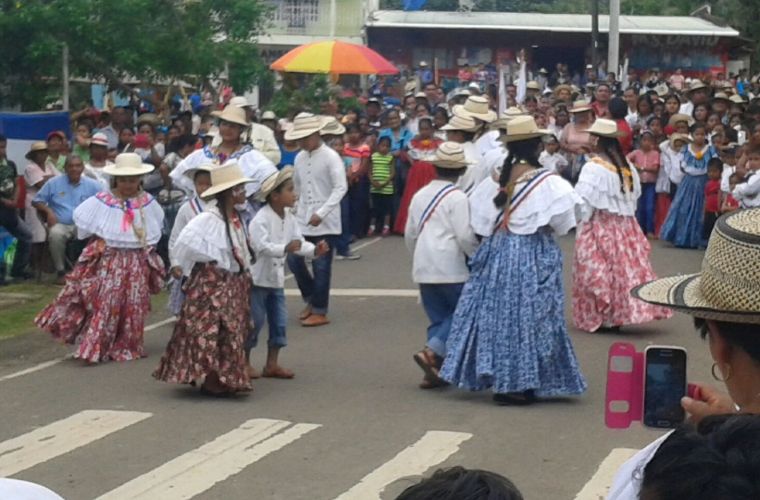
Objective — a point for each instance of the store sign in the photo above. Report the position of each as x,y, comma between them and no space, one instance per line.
658,41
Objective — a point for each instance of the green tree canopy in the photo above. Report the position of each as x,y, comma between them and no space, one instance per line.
145,39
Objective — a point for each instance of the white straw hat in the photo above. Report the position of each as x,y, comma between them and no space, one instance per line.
206,167
604,128
523,127
728,288
532,85
580,106
450,155
510,114
240,101
273,182
462,123
232,114
331,126
224,178
36,146
128,164
475,107
696,85
304,125
268,115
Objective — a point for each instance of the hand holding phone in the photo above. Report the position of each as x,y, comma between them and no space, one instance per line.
664,386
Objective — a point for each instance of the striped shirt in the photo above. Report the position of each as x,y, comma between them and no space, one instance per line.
381,172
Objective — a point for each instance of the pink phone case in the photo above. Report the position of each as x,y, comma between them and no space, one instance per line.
624,401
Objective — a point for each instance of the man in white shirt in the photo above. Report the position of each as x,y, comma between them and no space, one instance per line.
439,235
260,136
698,94
320,182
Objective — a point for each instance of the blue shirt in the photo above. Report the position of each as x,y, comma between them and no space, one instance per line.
400,142
62,197
287,158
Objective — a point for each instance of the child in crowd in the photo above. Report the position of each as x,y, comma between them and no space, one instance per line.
728,155
747,193
669,176
201,177
439,235
729,202
382,173
358,181
646,159
551,158
712,196
273,234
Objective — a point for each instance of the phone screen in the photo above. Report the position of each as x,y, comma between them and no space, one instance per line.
664,386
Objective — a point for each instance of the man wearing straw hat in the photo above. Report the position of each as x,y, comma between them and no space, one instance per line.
320,182
260,136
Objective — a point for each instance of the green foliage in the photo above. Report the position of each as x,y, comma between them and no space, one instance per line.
146,39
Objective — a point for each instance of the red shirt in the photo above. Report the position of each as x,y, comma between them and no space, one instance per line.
625,140
712,196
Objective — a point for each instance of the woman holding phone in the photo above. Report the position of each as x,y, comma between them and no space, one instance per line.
725,302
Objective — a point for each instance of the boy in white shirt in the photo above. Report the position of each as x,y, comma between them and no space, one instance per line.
439,235
551,158
747,193
274,233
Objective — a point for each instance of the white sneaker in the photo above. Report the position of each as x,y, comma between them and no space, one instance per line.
350,256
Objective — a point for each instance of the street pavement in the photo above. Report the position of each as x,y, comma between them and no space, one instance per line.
352,425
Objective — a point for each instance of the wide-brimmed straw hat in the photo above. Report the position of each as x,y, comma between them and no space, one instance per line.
523,127
533,85
604,128
331,126
450,155
207,167
510,114
563,86
224,178
580,106
36,146
268,115
737,99
475,107
728,288
128,164
232,114
679,137
273,182
304,125
720,96
240,101
696,85
680,117
462,123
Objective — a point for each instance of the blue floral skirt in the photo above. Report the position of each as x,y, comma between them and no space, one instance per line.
509,331
683,227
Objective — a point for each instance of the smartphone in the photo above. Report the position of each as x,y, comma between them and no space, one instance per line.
664,386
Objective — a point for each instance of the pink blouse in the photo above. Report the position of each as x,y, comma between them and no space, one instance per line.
648,164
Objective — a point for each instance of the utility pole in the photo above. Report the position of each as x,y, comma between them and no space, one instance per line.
595,33
613,47
65,77
333,17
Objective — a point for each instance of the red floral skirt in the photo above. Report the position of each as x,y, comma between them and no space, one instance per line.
105,301
210,332
419,176
611,258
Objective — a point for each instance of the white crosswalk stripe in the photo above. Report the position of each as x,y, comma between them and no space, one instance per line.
433,448
598,486
198,470
63,436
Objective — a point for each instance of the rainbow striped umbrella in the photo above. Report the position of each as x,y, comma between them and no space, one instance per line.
334,57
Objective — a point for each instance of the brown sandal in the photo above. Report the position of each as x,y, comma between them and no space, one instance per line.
305,313
429,365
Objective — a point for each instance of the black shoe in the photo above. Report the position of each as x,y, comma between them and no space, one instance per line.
524,398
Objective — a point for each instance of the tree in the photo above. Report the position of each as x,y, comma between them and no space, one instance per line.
150,40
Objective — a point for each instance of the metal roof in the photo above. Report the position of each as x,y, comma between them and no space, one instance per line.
568,23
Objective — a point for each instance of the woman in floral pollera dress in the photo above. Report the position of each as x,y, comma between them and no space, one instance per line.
106,298
611,251
208,338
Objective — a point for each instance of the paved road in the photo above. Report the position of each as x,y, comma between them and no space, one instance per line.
352,423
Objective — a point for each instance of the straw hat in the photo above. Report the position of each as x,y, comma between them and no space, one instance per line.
331,126
224,178
532,85
510,114
580,106
696,85
462,123
523,127
240,101
543,71
99,139
273,182
728,288
662,89
720,96
206,167
36,146
128,164
423,64
475,107
450,155
304,125
737,99
680,117
679,137
420,95
604,128
410,87
268,115
149,118
563,86
232,114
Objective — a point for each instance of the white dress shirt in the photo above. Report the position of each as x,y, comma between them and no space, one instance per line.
320,182
185,214
262,138
441,248
269,235
748,193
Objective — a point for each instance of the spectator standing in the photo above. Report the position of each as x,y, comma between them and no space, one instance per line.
646,160
38,172
56,148
98,160
9,218
57,200
320,182
382,173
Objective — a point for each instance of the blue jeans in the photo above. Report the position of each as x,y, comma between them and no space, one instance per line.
440,302
645,210
343,241
315,289
268,304
358,195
